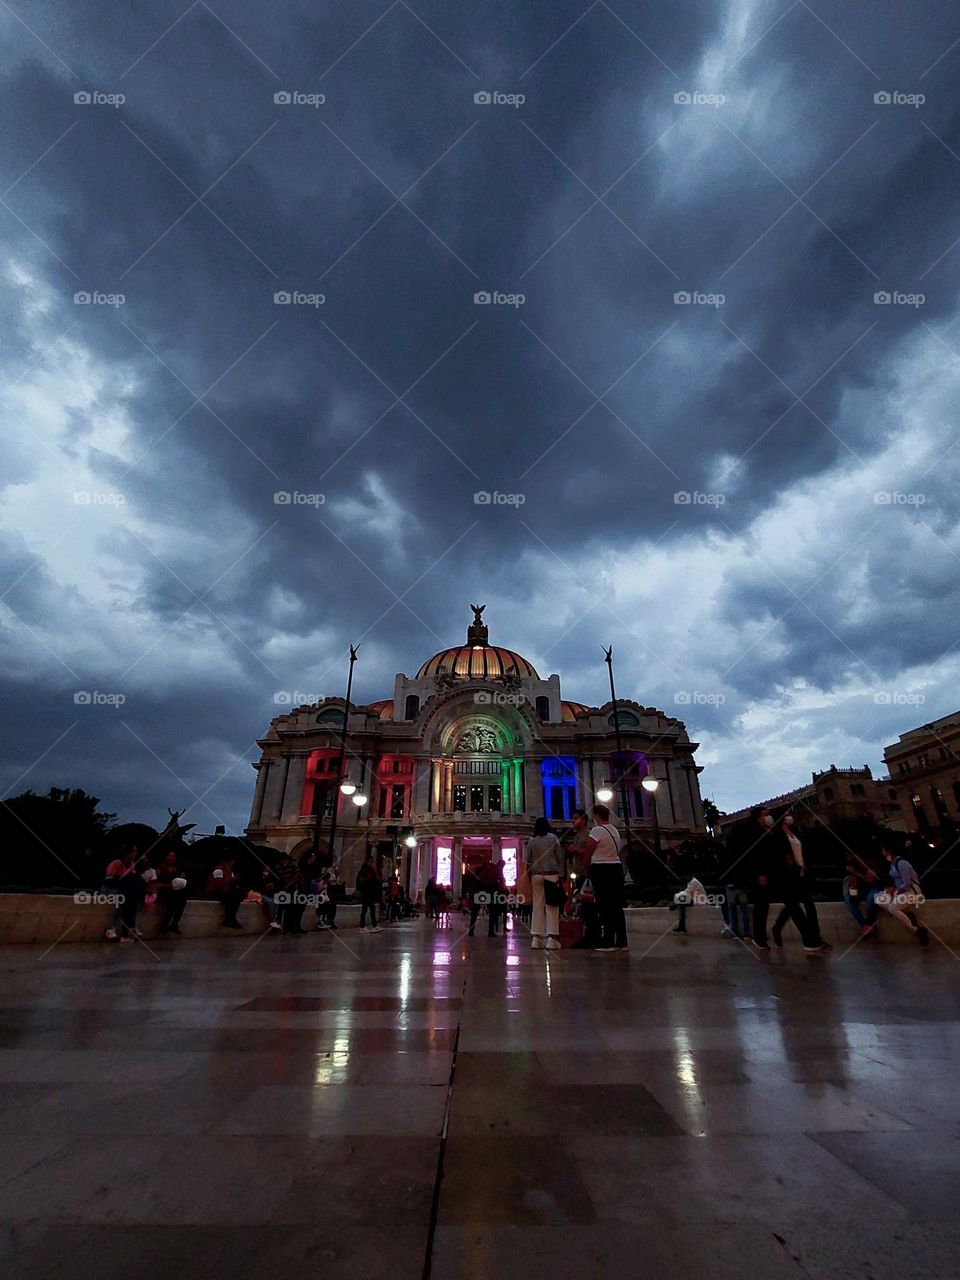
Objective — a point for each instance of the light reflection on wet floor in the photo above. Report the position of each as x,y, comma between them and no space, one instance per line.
240,1116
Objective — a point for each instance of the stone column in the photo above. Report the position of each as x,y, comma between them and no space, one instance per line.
457,876
256,809
293,797
272,792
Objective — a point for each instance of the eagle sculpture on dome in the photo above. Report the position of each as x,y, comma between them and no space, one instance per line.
477,631
477,611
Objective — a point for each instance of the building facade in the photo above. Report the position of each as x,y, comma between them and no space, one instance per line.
924,770
831,796
458,764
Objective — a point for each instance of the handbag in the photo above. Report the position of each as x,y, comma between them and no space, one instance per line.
554,894
586,891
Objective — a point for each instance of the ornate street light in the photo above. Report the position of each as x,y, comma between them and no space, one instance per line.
650,785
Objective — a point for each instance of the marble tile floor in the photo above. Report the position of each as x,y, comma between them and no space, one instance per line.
423,1104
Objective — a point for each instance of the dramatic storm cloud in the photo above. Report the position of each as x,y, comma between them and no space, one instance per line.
713,395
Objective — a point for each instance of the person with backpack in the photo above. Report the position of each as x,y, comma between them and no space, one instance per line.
905,896
368,890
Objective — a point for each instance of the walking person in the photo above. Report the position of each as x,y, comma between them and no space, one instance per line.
369,890
798,886
545,867
602,850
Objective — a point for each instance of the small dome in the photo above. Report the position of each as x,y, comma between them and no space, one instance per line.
477,662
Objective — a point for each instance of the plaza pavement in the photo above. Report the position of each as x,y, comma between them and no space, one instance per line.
421,1103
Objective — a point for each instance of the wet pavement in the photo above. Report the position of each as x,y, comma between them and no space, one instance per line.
422,1103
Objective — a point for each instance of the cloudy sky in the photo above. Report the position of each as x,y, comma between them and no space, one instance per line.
750,493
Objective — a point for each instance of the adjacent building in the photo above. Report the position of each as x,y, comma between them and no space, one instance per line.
455,767
831,796
924,767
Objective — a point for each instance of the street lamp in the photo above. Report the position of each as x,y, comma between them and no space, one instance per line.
411,842
358,798
348,788
605,793
650,785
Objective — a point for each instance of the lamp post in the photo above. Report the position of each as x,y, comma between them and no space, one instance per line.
346,786
624,798
650,786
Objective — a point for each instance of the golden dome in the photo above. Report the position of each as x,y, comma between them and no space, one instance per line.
477,662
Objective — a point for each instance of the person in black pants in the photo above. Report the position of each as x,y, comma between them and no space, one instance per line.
172,892
602,847
369,889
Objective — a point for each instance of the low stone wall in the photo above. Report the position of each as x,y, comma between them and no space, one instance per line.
941,915
47,918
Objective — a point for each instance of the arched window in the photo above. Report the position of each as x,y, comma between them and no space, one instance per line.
332,715
543,708
411,707
626,719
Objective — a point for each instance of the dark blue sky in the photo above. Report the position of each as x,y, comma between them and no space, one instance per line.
799,610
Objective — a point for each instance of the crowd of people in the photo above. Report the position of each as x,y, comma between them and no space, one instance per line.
767,864
574,885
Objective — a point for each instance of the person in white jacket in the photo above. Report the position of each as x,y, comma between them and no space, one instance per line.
694,894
